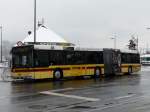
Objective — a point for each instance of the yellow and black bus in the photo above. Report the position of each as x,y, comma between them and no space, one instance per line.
45,62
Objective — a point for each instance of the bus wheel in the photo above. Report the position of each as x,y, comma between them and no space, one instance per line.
129,70
97,72
57,75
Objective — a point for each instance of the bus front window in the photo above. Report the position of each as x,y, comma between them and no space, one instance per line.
16,60
22,60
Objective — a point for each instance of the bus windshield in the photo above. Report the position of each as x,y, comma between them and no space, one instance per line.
21,57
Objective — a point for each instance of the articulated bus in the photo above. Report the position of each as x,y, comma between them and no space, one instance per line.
43,62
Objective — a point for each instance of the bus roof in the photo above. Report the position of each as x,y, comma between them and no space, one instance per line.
48,47
88,49
56,47
145,55
129,51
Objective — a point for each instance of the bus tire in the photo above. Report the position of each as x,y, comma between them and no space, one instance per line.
130,70
97,72
58,74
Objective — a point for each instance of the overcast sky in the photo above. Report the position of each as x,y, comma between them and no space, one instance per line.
88,23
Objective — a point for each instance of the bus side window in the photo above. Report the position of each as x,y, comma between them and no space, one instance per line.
123,58
36,62
56,58
93,58
41,59
69,57
135,58
78,58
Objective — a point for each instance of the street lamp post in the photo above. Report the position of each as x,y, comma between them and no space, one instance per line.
34,21
1,43
147,47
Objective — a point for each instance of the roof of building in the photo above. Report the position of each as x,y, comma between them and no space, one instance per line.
45,35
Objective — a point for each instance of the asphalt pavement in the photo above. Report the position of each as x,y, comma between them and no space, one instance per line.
127,93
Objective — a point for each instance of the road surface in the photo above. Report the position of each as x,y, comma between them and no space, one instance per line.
128,93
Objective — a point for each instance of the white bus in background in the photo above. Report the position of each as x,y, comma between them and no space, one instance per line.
145,59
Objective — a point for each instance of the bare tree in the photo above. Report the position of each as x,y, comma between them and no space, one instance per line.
133,43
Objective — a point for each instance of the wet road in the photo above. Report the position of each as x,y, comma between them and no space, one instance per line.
117,94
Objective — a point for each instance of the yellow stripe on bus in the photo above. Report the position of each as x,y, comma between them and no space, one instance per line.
74,70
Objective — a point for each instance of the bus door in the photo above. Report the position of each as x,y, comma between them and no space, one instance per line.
112,61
